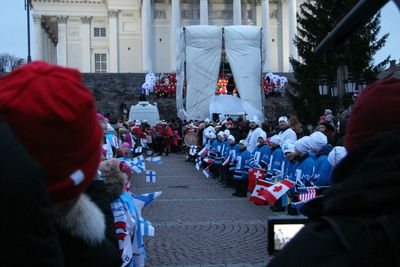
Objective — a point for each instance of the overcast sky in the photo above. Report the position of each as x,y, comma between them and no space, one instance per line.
13,30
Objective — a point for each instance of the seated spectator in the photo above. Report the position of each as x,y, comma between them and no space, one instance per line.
356,222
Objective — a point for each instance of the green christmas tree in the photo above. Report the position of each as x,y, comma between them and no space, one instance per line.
315,19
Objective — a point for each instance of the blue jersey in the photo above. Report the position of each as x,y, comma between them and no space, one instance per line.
304,170
288,168
323,172
276,159
260,157
242,165
232,152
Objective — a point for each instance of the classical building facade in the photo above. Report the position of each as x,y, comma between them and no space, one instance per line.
140,35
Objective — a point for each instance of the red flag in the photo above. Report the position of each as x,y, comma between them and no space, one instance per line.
259,193
277,190
254,175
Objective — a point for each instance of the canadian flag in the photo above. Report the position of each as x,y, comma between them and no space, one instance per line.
277,190
259,193
254,175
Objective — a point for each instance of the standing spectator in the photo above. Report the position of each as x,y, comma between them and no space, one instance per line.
168,138
286,133
52,101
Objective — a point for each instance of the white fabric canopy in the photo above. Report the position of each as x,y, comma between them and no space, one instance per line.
203,58
243,46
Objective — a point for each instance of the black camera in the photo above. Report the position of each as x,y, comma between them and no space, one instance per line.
282,229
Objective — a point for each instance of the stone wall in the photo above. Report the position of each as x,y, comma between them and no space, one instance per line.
113,89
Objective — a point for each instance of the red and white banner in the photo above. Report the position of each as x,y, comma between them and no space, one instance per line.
278,190
254,175
259,193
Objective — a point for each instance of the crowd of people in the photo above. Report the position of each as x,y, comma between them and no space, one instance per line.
231,150
66,188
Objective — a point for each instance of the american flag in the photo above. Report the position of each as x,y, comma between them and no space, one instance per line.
307,193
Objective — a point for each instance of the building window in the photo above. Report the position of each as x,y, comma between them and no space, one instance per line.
99,32
100,62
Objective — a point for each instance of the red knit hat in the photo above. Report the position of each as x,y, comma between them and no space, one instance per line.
375,111
53,114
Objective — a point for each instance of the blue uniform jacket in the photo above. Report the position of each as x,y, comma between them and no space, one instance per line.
304,169
260,157
323,172
276,159
242,165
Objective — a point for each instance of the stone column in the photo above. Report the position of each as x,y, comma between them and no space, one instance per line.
86,34
45,48
62,58
203,12
292,10
175,24
113,39
37,20
147,46
265,27
237,12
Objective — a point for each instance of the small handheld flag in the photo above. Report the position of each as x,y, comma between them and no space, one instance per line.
151,176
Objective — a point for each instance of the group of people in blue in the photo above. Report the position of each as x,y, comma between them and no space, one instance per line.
307,161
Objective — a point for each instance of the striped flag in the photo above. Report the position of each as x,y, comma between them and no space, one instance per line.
136,164
198,163
154,159
307,193
146,228
277,190
208,160
151,176
206,173
192,150
202,153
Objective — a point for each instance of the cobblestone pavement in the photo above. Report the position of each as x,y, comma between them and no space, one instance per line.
199,223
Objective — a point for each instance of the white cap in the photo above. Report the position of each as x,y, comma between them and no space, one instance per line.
221,133
336,155
303,144
207,120
276,139
212,135
288,147
327,111
255,120
138,123
231,137
227,132
243,142
263,135
317,140
283,118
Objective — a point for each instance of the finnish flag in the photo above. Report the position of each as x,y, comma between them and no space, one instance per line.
138,149
151,176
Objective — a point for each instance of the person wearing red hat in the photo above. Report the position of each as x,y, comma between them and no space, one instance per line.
39,102
357,221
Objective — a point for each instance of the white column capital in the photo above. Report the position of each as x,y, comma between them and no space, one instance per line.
37,18
86,19
113,13
62,19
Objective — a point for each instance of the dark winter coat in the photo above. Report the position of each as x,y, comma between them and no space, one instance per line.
357,222
27,235
82,236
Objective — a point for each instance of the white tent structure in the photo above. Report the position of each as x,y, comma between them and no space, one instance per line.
200,48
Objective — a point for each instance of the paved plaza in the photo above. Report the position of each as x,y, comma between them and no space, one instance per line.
199,223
